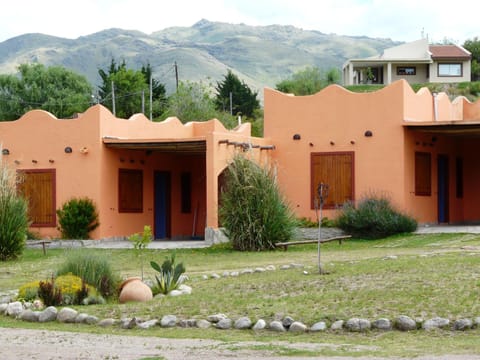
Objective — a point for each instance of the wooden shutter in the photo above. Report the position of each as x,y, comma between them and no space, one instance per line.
38,187
423,176
130,190
335,170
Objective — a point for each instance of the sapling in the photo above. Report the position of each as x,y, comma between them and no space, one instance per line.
140,242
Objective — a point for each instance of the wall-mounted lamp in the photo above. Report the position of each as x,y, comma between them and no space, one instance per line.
311,144
34,161
51,161
17,162
68,150
352,142
368,133
296,137
332,142
5,152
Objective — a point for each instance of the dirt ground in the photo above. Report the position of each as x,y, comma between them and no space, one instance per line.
53,345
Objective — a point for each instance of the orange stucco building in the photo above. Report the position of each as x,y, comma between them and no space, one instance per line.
417,148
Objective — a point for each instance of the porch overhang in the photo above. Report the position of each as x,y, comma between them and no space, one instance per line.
188,146
449,128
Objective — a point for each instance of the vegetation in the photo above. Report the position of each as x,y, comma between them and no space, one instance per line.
373,218
309,81
77,218
243,100
64,290
55,89
92,269
252,209
140,242
169,275
13,215
473,45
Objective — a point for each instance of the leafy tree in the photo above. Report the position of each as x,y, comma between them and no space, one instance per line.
473,46
308,81
158,92
54,89
244,100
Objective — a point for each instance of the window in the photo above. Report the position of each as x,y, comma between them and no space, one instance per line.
406,70
186,192
449,69
423,167
38,187
459,177
130,190
335,170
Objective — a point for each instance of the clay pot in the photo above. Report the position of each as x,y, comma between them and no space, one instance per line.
133,289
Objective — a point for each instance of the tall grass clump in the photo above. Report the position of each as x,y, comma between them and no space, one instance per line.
93,269
373,218
253,211
77,218
13,215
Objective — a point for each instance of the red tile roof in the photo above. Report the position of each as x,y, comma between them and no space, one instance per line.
449,52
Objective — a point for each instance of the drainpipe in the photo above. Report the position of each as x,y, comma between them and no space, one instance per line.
435,107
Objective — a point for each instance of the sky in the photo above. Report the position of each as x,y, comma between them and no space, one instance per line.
404,20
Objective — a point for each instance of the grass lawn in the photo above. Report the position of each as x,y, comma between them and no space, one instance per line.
421,276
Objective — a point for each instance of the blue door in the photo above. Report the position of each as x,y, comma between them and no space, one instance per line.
443,196
162,204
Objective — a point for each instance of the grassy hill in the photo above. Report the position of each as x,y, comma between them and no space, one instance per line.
259,55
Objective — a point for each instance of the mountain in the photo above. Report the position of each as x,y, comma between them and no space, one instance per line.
259,55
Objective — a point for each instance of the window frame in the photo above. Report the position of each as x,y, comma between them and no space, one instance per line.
130,205
439,65
313,190
53,199
402,70
421,187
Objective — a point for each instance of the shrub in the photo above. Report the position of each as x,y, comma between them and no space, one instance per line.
13,215
169,275
252,210
29,291
94,270
374,218
49,294
77,218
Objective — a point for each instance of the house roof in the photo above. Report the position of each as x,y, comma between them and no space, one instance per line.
449,52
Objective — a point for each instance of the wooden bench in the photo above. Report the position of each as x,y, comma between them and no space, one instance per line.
285,245
40,242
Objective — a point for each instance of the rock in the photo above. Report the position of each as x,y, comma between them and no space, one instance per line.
382,324
276,326
260,270
246,271
159,296
147,324
435,323
80,319
243,323
287,321
134,289
405,323
271,268
185,289
107,322
203,324
319,326
337,325
175,293
90,320
391,257
128,323
215,276
29,315
234,273
168,321
225,274
305,272
3,308
204,277
297,266
67,315
224,324
260,325
49,314
216,318
297,326
284,267
462,324
14,309
189,323
357,325
476,321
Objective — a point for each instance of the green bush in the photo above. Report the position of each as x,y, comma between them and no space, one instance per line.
13,215
252,209
77,218
94,270
374,218
169,275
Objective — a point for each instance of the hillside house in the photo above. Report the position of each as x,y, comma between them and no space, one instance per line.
416,62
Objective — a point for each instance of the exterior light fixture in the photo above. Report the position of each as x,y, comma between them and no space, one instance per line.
5,152
51,161
352,142
332,142
34,161
68,150
296,137
311,144
368,133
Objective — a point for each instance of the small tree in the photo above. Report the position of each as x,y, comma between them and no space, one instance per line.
13,215
140,242
253,211
77,218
